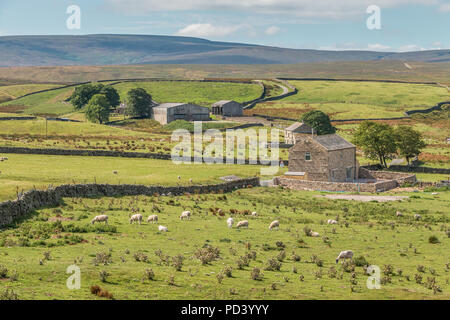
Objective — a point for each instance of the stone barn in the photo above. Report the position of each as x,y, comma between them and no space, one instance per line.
168,112
296,131
323,158
227,108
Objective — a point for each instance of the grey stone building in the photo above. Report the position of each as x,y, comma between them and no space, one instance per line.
227,108
323,158
296,131
168,112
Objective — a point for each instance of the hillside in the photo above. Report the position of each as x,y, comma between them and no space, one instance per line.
150,49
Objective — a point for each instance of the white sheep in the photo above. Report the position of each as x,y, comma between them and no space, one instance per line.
274,224
399,214
417,216
314,234
254,214
162,229
230,222
152,218
101,218
242,224
347,254
331,221
185,215
136,218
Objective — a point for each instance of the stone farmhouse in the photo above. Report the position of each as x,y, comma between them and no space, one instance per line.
168,112
328,163
324,158
227,108
296,131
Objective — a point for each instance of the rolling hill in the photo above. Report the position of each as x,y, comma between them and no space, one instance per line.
151,49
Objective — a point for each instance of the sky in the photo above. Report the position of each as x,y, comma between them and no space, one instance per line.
402,25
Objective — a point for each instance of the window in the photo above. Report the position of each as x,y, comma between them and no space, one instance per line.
308,156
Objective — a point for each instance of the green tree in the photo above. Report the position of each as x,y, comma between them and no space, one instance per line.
377,140
82,94
139,103
98,109
319,121
409,142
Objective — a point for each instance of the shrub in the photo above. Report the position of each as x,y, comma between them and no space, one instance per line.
177,262
433,239
273,265
3,272
9,294
103,275
360,261
256,274
228,271
149,274
207,254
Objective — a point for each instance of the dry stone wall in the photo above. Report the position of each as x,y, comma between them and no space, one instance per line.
36,199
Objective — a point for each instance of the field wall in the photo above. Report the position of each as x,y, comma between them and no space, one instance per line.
32,200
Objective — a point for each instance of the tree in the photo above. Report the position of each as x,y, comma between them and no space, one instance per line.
139,103
409,142
319,121
98,109
81,95
377,141
85,92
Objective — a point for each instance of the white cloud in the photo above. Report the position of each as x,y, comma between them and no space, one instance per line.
270,31
445,7
207,30
301,8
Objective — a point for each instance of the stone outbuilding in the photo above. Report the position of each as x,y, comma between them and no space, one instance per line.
296,131
228,108
323,158
168,112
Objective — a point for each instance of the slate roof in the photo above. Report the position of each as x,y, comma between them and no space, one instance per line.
299,127
169,105
333,142
222,102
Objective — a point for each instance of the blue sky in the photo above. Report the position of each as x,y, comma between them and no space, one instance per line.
406,25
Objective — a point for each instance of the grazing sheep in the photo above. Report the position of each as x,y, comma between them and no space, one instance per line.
153,218
162,229
101,218
254,214
274,224
417,216
314,234
399,214
185,215
241,224
331,221
230,222
347,254
136,218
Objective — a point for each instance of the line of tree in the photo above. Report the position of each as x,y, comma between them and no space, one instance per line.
82,94
382,142
98,100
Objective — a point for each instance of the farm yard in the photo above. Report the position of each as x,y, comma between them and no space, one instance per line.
201,258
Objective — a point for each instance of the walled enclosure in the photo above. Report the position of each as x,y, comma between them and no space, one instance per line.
389,180
36,199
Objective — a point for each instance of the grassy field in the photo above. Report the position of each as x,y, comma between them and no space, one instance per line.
49,103
23,172
378,70
53,102
202,93
350,100
138,262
